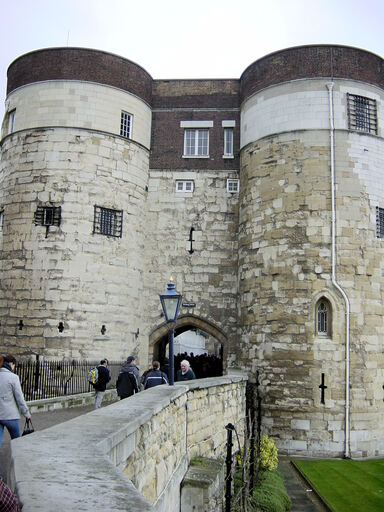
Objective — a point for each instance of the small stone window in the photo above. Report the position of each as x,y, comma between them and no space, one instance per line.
48,216
108,222
362,114
379,222
323,318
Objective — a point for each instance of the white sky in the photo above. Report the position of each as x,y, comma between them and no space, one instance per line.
180,39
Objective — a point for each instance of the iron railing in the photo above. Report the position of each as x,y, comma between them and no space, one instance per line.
50,379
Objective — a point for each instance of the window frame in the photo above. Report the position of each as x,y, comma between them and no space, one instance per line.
126,120
323,318
11,120
228,130
379,222
108,222
362,114
184,186
231,181
198,143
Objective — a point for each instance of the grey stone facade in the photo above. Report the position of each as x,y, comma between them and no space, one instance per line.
300,234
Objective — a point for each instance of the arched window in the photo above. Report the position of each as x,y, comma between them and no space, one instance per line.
323,318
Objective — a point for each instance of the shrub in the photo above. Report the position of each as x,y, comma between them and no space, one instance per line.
270,494
268,454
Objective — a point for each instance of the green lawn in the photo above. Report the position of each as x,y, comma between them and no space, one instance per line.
347,485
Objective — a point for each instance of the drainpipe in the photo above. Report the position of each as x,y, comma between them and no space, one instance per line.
347,453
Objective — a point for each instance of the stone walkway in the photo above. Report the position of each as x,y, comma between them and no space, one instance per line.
303,499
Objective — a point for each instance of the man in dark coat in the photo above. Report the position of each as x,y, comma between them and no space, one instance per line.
155,377
104,376
128,380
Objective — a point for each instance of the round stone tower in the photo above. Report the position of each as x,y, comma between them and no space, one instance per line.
311,247
76,140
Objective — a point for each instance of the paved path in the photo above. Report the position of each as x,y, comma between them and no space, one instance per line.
303,500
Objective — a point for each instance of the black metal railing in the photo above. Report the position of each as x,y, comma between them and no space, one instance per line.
50,379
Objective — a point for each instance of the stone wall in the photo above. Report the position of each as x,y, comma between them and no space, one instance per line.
131,455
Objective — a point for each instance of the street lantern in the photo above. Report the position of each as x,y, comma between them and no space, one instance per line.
170,302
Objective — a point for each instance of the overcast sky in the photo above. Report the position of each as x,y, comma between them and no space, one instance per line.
180,39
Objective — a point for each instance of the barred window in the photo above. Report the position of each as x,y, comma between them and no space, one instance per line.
48,216
379,222
107,221
126,125
362,114
323,318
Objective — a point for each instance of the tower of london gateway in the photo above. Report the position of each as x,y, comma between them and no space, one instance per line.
262,196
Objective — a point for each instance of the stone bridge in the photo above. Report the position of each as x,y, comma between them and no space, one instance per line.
131,455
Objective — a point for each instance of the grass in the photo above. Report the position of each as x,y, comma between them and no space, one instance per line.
347,485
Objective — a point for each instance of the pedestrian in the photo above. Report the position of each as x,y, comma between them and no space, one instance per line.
12,401
128,380
185,372
155,377
104,376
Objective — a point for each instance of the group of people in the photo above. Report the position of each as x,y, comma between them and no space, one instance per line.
12,402
129,382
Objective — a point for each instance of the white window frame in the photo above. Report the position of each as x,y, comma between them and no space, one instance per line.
228,142
184,186
233,185
196,143
126,124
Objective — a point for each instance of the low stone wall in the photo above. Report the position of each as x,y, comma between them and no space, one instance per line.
66,402
131,455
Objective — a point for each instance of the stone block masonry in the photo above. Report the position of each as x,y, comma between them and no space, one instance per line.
131,455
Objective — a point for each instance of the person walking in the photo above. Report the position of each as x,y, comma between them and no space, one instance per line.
12,401
102,381
155,377
128,380
185,372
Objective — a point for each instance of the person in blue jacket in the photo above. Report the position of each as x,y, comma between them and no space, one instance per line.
155,377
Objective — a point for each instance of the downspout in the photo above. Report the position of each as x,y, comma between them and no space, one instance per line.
347,453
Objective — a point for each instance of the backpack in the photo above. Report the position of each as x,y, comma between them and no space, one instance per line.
93,375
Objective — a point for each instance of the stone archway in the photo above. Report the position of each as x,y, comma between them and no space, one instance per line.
158,339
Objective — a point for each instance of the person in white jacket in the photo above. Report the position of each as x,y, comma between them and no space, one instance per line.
12,401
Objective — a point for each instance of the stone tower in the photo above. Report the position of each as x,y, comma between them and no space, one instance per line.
263,196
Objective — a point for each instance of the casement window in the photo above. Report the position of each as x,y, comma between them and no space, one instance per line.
323,318
196,138
233,185
184,186
126,125
362,114
196,143
379,222
228,127
107,221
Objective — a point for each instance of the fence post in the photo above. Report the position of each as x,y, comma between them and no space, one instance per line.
228,461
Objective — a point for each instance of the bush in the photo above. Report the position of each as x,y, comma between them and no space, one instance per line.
268,454
270,494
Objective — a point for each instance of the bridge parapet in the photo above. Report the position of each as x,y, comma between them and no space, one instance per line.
131,455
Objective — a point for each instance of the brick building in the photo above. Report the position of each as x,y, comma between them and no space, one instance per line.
263,196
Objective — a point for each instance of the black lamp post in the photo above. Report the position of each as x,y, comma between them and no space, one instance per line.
170,302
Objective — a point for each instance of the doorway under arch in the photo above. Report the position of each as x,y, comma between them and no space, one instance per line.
207,363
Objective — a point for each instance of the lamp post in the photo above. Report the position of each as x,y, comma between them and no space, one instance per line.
170,302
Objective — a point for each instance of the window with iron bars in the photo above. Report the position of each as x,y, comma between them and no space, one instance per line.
48,216
108,222
362,114
379,222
